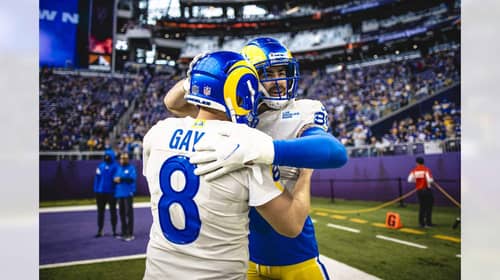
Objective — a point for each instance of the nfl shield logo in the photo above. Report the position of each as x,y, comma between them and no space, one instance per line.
207,90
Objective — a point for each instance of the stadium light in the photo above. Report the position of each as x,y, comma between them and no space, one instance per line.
121,45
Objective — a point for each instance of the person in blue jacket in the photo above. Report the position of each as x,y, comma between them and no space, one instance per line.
105,191
125,179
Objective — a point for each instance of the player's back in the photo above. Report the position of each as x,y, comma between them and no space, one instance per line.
199,228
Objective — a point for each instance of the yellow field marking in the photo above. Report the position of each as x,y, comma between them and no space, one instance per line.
321,214
378,225
449,238
338,217
358,221
413,231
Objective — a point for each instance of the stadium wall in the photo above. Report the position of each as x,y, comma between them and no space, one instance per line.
376,178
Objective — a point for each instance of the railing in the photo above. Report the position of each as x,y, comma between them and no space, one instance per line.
431,147
399,180
71,155
397,195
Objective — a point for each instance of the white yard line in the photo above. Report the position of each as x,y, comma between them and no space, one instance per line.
122,258
343,228
341,271
83,208
401,242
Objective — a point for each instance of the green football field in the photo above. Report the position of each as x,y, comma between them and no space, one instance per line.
351,232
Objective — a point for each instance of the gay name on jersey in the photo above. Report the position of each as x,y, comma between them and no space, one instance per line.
185,140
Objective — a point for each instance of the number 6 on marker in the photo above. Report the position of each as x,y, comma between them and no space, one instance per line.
184,198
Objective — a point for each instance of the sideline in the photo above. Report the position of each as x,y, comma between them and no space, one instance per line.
336,270
91,261
342,271
83,208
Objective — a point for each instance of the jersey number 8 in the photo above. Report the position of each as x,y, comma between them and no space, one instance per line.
171,167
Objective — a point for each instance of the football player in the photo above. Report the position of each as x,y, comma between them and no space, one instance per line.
200,228
299,130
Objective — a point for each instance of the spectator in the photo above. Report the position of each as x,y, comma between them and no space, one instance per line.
104,190
125,179
359,136
84,109
422,177
381,146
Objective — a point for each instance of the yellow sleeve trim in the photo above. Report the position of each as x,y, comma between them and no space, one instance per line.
276,181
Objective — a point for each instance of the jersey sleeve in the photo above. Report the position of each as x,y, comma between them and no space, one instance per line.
313,114
261,193
146,150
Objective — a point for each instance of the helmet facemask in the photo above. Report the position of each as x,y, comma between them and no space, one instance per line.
267,53
275,93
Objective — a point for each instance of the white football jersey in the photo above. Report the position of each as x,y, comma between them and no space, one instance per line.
200,229
289,123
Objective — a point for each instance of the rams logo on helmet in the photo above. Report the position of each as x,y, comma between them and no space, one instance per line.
229,84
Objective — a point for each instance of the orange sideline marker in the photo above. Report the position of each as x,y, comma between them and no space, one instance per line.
392,220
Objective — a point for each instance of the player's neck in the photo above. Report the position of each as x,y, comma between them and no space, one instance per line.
209,114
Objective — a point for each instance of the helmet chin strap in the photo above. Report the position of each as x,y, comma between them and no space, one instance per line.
232,113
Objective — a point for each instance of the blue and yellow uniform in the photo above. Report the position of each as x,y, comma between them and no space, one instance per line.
293,125
273,256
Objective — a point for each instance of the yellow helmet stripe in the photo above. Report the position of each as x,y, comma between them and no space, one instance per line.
254,54
231,85
246,64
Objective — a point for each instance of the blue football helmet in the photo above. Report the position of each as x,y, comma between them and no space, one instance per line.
226,82
265,52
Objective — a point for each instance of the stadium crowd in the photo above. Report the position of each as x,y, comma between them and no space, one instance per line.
440,124
359,96
149,110
78,113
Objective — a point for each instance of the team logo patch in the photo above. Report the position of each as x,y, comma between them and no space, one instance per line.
195,89
290,115
199,123
207,90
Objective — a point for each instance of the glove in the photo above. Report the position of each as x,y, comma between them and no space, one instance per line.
187,82
230,150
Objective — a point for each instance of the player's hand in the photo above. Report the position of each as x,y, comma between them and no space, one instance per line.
231,150
306,172
187,82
